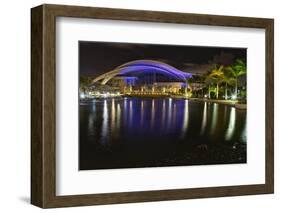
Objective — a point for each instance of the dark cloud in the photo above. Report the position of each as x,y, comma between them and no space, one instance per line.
224,58
198,68
96,58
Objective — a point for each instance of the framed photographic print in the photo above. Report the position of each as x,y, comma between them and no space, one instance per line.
136,106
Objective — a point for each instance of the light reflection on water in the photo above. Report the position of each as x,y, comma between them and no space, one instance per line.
164,117
147,129
204,119
104,131
214,118
185,119
244,132
130,114
169,113
118,118
152,114
142,112
231,126
113,127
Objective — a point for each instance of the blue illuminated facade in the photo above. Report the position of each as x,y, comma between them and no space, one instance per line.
150,66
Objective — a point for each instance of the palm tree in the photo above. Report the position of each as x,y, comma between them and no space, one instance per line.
209,81
85,82
237,70
216,76
228,80
188,82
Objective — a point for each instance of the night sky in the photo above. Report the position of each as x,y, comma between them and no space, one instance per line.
96,58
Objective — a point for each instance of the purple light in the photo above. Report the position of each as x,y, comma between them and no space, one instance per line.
183,84
152,66
130,80
144,66
148,69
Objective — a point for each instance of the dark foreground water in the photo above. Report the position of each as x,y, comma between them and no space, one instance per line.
147,132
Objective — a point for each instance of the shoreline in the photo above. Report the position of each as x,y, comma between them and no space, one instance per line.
232,103
225,102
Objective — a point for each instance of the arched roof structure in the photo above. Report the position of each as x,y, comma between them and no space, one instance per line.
143,66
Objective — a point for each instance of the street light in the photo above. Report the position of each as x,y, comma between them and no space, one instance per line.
82,95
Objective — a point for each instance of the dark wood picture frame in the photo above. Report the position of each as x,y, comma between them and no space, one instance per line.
43,105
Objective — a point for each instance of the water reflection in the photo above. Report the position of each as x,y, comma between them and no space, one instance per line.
131,113
118,119
156,128
174,115
104,130
125,110
214,118
90,124
185,119
244,132
94,107
142,112
165,116
231,125
113,115
152,114
204,119
169,112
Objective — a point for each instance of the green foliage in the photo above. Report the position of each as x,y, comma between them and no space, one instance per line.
85,81
215,75
237,69
220,78
243,94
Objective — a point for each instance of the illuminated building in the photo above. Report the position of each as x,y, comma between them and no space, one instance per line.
145,77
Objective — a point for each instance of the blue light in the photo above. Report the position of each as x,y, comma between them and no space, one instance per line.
130,80
144,66
152,67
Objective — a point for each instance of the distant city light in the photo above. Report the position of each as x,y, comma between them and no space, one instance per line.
82,95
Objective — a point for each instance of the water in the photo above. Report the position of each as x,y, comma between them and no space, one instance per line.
148,132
